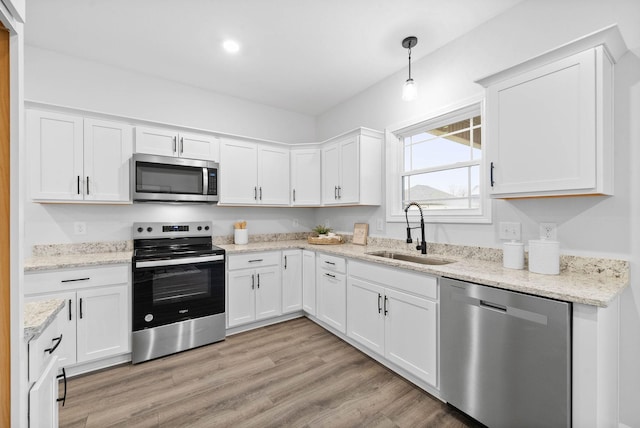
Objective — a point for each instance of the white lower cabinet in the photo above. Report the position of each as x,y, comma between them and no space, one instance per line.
254,287
331,291
291,281
394,314
309,282
95,321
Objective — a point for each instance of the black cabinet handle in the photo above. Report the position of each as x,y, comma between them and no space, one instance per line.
64,397
253,282
78,185
255,193
69,309
81,308
329,263
379,303
256,260
75,279
386,311
260,192
174,144
335,192
491,175
181,145
258,275
339,192
285,262
330,275
58,340
294,195
87,184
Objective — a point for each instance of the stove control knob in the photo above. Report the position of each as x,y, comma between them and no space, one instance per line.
149,229
199,227
148,317
206,228
140,230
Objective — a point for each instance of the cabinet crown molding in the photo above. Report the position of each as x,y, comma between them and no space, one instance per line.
609,37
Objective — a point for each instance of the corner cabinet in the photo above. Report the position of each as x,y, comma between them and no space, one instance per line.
76,159
549,124
253,174
352,169
305,177
167,142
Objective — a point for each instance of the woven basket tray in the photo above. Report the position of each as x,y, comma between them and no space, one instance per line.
332,240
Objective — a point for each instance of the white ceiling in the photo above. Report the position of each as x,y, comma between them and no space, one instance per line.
300,55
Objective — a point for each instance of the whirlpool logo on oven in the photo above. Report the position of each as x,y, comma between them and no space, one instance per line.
183,311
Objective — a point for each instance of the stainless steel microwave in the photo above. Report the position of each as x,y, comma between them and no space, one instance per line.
169,179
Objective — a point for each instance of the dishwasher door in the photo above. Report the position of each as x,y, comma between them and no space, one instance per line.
505,356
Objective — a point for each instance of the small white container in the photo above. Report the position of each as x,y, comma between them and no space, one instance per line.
513,255
544,257
241,236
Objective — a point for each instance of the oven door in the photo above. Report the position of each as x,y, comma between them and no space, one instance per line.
168,291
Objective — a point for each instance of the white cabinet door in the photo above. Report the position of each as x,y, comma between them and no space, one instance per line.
365,314
241,297
199,146
103,326
349,187
411,334
291,281
273,175
332,299
268,292
305,177
55,155
330,174
309,282
545,128
238,179
43,396
107,150
156,141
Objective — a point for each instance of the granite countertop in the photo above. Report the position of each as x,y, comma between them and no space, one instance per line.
583,280
581,283
39,315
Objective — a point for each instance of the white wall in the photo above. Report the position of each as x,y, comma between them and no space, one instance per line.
599,226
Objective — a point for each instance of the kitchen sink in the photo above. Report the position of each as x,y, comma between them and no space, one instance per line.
423,260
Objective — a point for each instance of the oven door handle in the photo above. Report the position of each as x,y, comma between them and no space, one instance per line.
183,261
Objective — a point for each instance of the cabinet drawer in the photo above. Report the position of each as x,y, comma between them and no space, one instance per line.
72,279
332,263
400,279
41,349
253,260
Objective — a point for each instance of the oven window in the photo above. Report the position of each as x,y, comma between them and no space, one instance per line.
180,283
170,179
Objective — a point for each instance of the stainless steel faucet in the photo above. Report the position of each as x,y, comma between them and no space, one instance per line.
422,245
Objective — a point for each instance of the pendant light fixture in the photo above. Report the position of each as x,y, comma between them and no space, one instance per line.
409,91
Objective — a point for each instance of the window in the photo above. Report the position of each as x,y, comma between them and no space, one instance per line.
439,166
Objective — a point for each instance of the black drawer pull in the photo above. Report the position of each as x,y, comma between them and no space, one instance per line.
491,175
386,311
256,260
329,263
330,275
379,303
74,280
63,376
57,340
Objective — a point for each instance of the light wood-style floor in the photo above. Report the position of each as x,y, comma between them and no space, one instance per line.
293,374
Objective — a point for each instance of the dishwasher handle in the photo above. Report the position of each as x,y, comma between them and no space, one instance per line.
492,305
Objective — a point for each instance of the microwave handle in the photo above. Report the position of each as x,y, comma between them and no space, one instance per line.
205,181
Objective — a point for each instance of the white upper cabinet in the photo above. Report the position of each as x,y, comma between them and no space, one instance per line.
352,169
74,159
549,124
305,177
167,142
253,174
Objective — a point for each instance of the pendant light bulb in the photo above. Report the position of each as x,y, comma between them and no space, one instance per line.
409,90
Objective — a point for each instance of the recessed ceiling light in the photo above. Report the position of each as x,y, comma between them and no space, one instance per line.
231,46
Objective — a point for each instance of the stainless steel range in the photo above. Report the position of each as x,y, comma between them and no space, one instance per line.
178,289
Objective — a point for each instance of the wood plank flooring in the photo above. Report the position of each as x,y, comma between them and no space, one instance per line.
292,374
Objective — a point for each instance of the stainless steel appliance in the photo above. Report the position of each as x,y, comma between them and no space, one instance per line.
178,289
505,356
169,179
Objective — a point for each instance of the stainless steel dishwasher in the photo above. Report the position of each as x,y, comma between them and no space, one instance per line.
505,356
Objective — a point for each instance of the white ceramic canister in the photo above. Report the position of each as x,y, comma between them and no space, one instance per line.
544,256
241,236
513,255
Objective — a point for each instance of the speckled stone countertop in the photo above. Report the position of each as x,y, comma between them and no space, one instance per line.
583,280
591,281
62,256
39,315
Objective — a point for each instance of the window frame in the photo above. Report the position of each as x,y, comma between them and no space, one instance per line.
394,147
